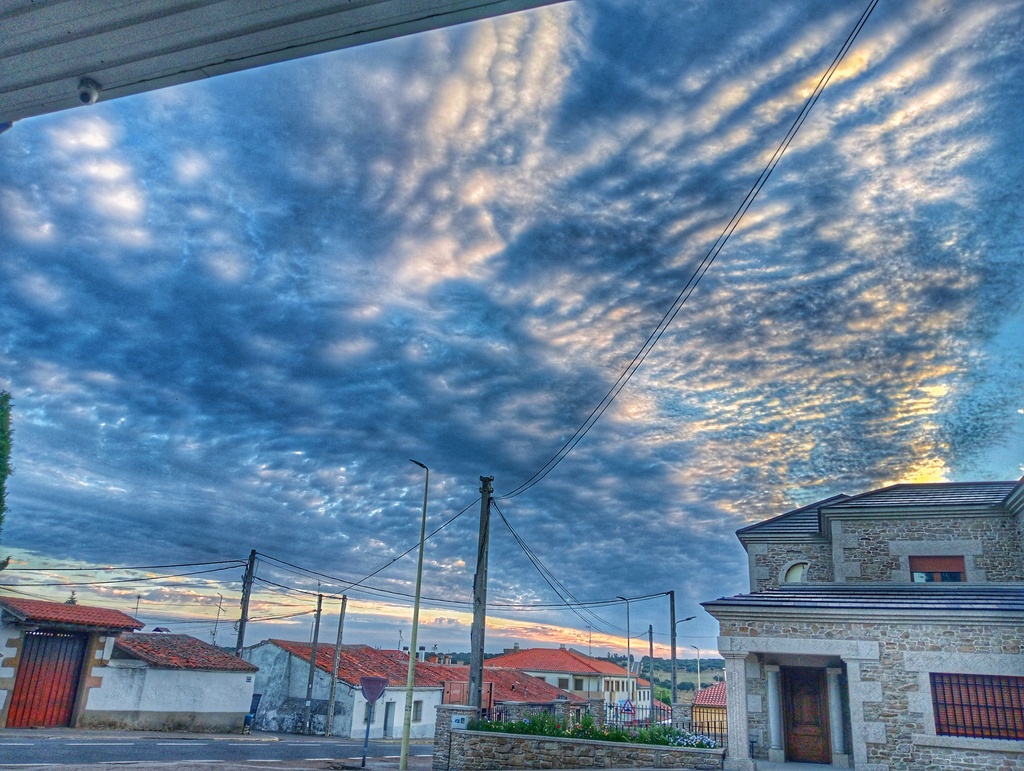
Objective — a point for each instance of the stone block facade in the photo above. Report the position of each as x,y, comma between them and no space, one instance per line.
886,666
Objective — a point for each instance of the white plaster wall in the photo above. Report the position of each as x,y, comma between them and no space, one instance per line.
131,688
431,698
7,652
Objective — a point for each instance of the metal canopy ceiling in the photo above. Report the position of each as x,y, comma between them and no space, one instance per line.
131,46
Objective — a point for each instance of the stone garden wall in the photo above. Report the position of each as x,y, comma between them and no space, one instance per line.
462,750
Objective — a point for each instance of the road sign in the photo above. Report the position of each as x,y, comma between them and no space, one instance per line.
627,707
373,687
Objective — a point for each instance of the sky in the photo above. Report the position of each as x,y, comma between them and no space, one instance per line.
232,311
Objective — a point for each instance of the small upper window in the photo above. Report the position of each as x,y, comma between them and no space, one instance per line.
795,573
936,569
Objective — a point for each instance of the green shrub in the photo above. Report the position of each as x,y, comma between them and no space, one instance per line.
546,724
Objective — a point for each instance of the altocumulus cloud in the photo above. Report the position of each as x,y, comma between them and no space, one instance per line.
233,310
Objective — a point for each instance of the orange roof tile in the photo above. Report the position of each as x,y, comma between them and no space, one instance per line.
556,660
43,612
180,651
712,696
355,661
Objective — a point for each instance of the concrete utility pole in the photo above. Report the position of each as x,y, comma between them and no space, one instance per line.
307,720
672,621
334,667
410,681
629,655
650,655
250,573
476,637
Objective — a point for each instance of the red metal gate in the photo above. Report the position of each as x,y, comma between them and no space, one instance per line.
47,680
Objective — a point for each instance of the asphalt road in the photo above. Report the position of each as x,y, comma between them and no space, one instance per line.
86,749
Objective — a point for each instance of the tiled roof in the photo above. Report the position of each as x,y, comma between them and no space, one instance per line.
515,685
355,661
944,494
564,660
180,651
60,613
802,521
713,696
947,598
941,495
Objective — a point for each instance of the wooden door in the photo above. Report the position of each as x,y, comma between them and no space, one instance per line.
47,681
806,715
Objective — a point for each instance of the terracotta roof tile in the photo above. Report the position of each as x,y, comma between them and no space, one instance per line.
713,696
355,661
556,660
43,612
180,651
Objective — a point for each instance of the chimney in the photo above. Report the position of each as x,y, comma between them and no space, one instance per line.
561,647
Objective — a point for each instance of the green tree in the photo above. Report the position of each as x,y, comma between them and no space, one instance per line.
5,459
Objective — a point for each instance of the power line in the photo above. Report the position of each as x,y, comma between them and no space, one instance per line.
121,580
59,569
344,583
561,591
702,268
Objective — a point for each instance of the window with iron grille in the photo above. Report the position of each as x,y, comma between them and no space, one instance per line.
417,711
980,706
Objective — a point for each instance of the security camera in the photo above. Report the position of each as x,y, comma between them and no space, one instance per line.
88,91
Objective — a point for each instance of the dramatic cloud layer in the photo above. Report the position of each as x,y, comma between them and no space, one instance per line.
233,310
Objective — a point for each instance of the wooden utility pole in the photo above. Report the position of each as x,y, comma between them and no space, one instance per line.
334,667
307,721
476,636
250,573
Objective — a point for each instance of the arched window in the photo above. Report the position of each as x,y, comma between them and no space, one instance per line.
795,573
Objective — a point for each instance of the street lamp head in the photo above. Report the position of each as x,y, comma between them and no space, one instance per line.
688,618
421,465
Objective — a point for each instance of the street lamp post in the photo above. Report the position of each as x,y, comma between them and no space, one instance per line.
629,656
672,596
698,669
403,763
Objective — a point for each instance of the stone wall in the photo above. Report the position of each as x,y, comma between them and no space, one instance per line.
877,550
888,699
769,560
461,750
478,750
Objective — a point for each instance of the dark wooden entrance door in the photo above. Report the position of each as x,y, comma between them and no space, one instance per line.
806,715
47,681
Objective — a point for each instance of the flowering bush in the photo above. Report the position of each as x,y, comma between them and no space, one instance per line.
546,724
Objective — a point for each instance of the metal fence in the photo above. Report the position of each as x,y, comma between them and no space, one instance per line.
630,716
713,729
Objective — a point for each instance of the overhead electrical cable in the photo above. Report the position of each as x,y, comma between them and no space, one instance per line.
699,272
229,563
560,590
122,580
345,583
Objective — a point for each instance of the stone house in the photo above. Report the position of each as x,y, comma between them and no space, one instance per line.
170,682
882,631
284,676
52,657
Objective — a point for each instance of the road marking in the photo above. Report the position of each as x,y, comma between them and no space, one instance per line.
16,744
181,744
99,744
